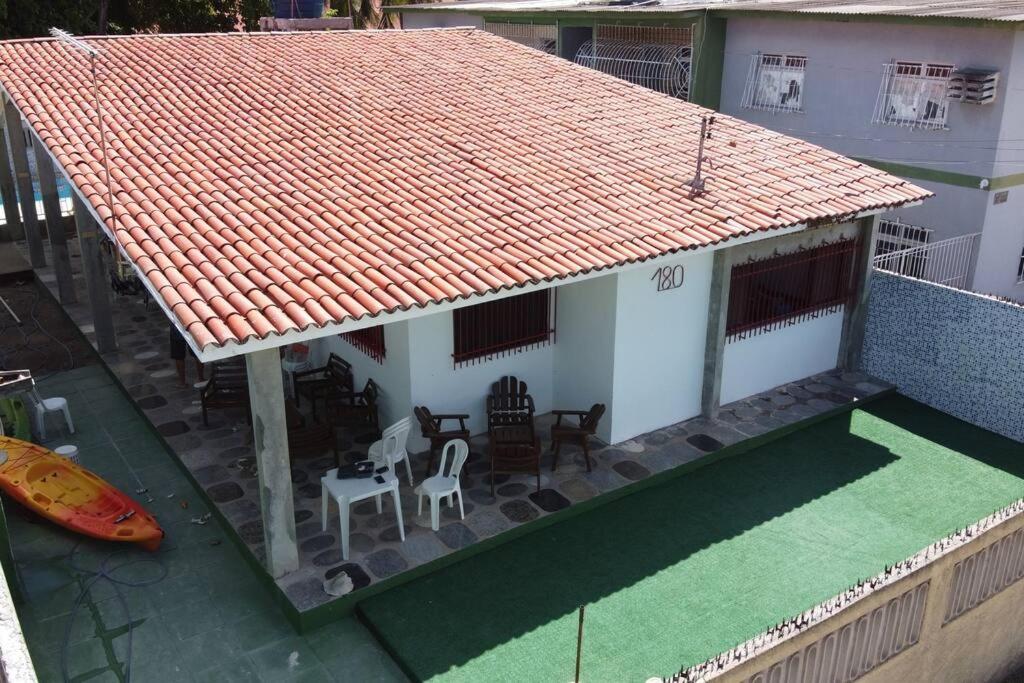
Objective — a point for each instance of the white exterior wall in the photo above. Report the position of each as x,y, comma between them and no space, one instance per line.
767,360
619,341
659,347
785,355
1003,236
392,376
444,388
584,359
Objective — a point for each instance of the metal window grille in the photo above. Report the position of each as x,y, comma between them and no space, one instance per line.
946,262
655,57
913,95
775,83
543,37
497,328
369,340
770,293
1020,268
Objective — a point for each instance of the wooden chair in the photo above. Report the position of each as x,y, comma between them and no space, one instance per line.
519,453
509,403
356,407
431,427
228,387
333,380
514,446
577,434
306,439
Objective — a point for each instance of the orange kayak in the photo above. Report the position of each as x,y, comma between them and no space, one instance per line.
72,496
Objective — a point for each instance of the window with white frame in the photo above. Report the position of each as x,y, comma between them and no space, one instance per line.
913,95
1020,268
775,83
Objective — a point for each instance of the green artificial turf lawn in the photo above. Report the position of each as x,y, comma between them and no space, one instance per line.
682,571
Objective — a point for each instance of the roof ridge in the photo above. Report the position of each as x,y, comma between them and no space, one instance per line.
238,34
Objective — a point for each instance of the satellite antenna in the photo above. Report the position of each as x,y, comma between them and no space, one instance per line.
82,46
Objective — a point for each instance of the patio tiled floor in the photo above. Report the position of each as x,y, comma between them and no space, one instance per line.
220,458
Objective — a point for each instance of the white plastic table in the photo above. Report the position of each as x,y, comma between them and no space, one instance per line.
348,491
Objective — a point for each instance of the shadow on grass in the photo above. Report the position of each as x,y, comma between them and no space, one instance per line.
500,595
952,433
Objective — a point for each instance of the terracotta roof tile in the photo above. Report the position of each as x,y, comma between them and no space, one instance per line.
270,183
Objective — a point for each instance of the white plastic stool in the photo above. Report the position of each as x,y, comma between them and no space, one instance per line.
70,452
49,405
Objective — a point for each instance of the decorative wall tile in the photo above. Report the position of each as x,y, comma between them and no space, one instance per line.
959,352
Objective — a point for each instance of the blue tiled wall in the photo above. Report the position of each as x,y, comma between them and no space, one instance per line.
955,351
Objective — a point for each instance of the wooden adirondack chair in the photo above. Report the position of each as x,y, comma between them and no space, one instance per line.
578,434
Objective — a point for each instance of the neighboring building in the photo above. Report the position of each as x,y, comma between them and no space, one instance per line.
931,90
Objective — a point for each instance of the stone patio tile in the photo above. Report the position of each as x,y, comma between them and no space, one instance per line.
486,523
422,546
456,535
386,562
578,489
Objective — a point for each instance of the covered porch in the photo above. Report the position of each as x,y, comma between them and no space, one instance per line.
220,458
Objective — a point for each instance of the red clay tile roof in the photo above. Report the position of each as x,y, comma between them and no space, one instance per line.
270,183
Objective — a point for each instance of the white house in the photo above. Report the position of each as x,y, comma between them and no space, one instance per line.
457,208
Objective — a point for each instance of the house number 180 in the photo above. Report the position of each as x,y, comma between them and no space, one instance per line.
668,277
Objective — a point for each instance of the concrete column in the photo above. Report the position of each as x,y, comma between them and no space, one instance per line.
96,283
266,398
714,348
55,226
851,345
13,230
23,178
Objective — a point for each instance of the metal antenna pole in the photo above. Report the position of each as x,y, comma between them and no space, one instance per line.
698,181
579,644
93,53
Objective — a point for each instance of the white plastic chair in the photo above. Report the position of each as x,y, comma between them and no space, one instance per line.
391,447
49,405
444,484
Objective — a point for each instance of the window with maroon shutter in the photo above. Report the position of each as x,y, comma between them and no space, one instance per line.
369,340
498,327
773,292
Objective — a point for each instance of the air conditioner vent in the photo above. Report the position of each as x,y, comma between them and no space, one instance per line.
973,86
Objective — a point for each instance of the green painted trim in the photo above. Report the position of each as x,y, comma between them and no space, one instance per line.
931,174
1003,182
936,175
708,62
325,614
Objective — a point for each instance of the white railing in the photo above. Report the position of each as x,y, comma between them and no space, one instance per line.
946,262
